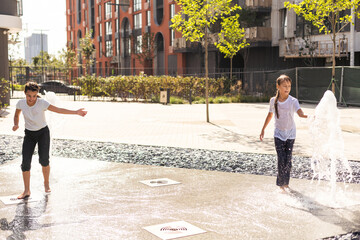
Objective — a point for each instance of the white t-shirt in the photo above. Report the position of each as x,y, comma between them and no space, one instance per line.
285,125
35,115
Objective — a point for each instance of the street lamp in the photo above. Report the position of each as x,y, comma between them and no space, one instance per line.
118,15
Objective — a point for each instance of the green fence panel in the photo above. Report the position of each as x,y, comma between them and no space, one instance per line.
351,86
313,82
271,77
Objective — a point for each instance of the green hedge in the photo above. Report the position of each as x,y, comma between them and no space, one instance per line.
147,87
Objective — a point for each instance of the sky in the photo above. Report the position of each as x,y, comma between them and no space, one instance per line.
46,15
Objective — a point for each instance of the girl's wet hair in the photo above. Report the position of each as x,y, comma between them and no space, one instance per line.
32,86
282,78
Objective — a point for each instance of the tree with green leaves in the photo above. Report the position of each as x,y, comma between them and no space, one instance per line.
69,57
231,38
87,49
195,19
330,16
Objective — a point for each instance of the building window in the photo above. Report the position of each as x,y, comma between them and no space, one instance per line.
304,28
137,5
137,21
138,43
129,46
108,14
108,28
99,12
117,47
148,18
100,29
78,11
100,49
108,49
172,36
117,25
172,11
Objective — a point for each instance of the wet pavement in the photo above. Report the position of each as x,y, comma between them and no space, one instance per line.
94,199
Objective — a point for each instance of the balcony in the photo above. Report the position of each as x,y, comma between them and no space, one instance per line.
316,49
259,5
10,12
258,34
181,45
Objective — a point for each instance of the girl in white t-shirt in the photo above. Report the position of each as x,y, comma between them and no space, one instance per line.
36,132
283,106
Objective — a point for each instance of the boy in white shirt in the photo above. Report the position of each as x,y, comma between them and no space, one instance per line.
36,132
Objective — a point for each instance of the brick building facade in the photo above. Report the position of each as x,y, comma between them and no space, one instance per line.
119,24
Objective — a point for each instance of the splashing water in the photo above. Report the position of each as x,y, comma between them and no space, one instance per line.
55,121
328,159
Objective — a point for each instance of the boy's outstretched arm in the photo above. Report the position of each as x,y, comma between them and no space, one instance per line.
301,113
267,120
16,119
80,111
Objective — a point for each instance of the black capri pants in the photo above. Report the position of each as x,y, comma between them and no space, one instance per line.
40,137
284,153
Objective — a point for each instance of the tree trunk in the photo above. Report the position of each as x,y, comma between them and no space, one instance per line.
206,76
231,70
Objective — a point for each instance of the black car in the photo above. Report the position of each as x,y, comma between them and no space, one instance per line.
58,87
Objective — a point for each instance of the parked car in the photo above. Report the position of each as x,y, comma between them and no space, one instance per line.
58,87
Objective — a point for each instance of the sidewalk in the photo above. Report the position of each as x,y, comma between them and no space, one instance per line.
233,127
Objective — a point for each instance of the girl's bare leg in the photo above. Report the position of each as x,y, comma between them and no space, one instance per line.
26,179
46,173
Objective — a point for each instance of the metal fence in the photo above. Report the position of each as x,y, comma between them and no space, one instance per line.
309,83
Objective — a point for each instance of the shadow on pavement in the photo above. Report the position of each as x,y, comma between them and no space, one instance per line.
336,216
230,136
25,219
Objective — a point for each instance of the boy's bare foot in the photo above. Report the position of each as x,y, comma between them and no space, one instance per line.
24,195
47,187
282,189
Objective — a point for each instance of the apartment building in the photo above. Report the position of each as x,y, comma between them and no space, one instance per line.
34,44
117,27
275,36
298,39
10,21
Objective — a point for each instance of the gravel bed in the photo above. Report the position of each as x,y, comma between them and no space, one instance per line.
227,161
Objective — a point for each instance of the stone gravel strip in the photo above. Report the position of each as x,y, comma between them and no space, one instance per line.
202,159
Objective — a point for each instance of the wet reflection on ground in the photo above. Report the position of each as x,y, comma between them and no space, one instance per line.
26,218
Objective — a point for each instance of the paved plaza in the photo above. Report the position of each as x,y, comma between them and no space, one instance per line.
94,199
233,127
